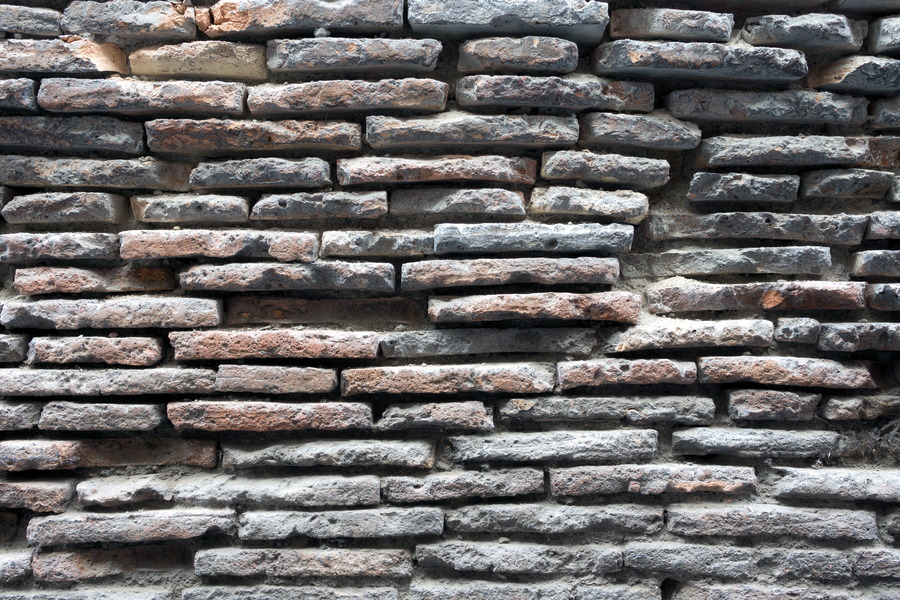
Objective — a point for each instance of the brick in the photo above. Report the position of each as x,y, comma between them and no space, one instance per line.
657,131
261,173
144,526
47,455
354,243
688,561
463,484
303,562
490,591
567,447
860,407
73,280
60,57
659,333
324,275
14,566
273,343
883,296
430,274
773,370
337,97
456,416
683,295
756,592
281,245
13,348
94,564
856,337
876,562
190,208
685,410
354,55
30,20
619,205
494,378
671,24
275,380
19,416
840,484
789,260
793,106
811,564
268,592
848,183
621,307
640,173
875,263
135,97
452,204
797,330
354,524
105,382
810,33
126,312
858,75
538,55
572,92
37,496
130,351
450,342
71,416
578,21
257,17
16,248
72,134
208,59
885,114
755,443
554,519
138,173
884,36
652,480
883,152
698,60
883,225
616,371
65,207
18,95
532,559
382,170
452,238
320,205
278,309
779,151
771,520
337,453
127,18
772,405
233,415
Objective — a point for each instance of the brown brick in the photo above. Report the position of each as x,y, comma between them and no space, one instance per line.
431,274
338,97
531,54
125,312
25,455
456,416
354,55
73,280
652,480
274,343
621,307
71,135
37,496
93,564
105,382
286,246
772,370
275,380
382,170
190,208
30,247
233,415
256,17
241,310
60,57
201,60
71,416
616,371
136,173
65,207
320,275
148,20
772,405
515,378
463,484
303,562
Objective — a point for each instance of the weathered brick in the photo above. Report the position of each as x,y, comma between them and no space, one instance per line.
13,348
14,566
772,405
660,333
688,561
336,97
449,342
71,416
860,407
356,55
463,484
30,20
652,480
268,592
275,380
137,173
621,307
93,564
582,22
755,443
27,455
794,106
452,238
105,382
685,410
810,33
572,92
840,484
811,564
18,248
256,17
261,173
671,24
616,371
381,170
784,370
789,260
273,343
73,280
126,312
429,274
698,60
303,562
144,526
286,246
884,36
131,351
355,524
846,183
533,559
135,97
128,18
18,95
883,296
60,57
680,295
19,416
554,446
456,416
555,519
71,134
771,519
858,75
757,592
320,205
885,114
640,173
451,203
797,330
492,378
354,243
37,496
855,337
657,131
877,562
337,453
65,207
245,309
201,60
620,205
779,151
883,225
875,263
322,275
234,415
492,591
190,208
530,55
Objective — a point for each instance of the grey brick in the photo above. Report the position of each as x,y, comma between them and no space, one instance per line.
533,559
450,342
689,561
883,296
190,208
779,151
261,173
858,75
105,382
657,131
743,187
883,225
489,591
259,17
797,330
794,106
127,18
320,205
652,480
838,229
811,33
19,416
549,519
886,114
13,348
620,205
884,36
527,55
30,247
71,134
755,443
14,566
789,260
452,203
555,446
807,564
877,562
334,453
573,92
637,172
882,485
339,97
397,243
320,275
356,55
268,592
877,263
685,410
671,24
772,405
124,312
468,416
679,295
356,524
55,173
758,592
452,485
71,416
30,20
18,95
846,183
661,333
430,274
303,562
65,207
451,238
856,337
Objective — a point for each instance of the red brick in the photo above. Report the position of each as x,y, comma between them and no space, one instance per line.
269,416
515,378
25,455
274,343
615,371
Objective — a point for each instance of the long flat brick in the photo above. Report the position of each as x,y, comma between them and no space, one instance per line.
856,337
337,97
293,592
468,416
190,208
33,281
72,134
285,246
65,207
18,95
261,173
882,485
149,20
258,17
26,455
208,59
858,75
836,229
652,480
449,342
555,446
671,24
810,33
755,443
358,524
388,243
355,55
621,307
875,263
682,333
320,205
106,382
94,564
59,57
274,343
516,378
246,309
368,170
789,260
690,560
657,131
126,312
463,484
72,416
234,415
539,55
633,171
683,295
496,238
321,275
684,410
779,151
772,405
30,20
303,562
773,370
621,205
335,453
275,380
37,496
481,557
615,371
431,274
795,106
554,519
18,248
138,173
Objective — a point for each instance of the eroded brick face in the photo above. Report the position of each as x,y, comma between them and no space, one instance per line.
449,300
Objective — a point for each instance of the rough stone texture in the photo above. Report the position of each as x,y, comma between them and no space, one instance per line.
526,55
201,60
457,416
30,20
806,372
523,237
520,558
679,333
688,560
622,307
449,342
321,205
772,405
69,416
860,407
791,260
756,592
800,106
555,447
357,55
18,248
854,337
840,484
240,310
96,564
139,173
322,275
14,567
886,114
275,380
25,455
884,36
73,280
256,17
274,343
268,592
671,24
19,416
13,348
261,173
18,95
615,371
883,225
621,205
126,312
129,351
463,484
75,135
878,263
375,170
810,33
238,562
348,96
652,480
684,295
37,496
503,378
797,330
658,131
128,18
858,75
554,519
190,208
849,183
451,203
755,443
337,453
685,410
779,151
65,207
640,173
106,382
61,57
233,415
383,243
280,245
883,296
356,524
429,274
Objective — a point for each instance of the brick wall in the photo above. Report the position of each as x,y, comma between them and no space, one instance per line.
450,300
